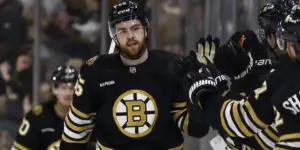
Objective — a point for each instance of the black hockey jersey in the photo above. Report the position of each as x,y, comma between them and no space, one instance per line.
286,100
263,139
129,107
256,112
41,129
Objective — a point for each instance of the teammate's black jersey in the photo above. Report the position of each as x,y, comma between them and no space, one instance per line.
286,100
256,112
130,107
240,89
41,129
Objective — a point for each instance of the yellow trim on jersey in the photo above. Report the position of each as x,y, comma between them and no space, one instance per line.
177,114
179,105
78,128
103,147
248,148
56,143
64,138
254,116
223,122
262,145
289,136
180,147
271,134
186,123
19,146
81,114
279,148
231,146
238,120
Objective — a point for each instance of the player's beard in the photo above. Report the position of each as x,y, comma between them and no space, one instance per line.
133,49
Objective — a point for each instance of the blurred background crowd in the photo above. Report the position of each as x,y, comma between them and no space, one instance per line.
71,31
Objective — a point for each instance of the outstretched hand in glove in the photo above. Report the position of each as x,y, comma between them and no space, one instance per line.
206,50
233,60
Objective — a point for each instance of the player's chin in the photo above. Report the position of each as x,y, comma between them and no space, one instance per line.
134,51
67,102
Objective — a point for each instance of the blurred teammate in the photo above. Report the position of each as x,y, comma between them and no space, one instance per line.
250,69
256,112
42,127
132,99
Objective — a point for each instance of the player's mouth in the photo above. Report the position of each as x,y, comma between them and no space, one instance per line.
68,98
132,44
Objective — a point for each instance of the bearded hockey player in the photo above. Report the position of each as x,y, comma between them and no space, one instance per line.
245,118
41,128
132,99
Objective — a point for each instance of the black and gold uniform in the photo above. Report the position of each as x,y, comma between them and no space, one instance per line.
40,129
280,92
129,107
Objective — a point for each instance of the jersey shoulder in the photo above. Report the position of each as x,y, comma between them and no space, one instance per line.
162,55
41,111
98,63
165,60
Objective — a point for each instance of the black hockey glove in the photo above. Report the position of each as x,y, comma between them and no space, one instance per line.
233,60
202,86
206,49
250,42
188,63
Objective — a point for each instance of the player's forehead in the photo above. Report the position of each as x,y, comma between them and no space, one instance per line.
128,24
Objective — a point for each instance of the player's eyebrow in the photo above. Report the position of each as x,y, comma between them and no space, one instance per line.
136,25
119,29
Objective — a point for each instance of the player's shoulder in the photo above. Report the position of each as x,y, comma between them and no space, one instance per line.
164,61
163,55
41,111
98,61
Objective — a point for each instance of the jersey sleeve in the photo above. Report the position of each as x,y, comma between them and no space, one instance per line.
27,137
79,121
241,118
180,111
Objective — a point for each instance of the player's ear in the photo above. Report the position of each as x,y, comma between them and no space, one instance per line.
54,90
146,33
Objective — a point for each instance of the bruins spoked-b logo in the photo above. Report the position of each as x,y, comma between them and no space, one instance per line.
135,113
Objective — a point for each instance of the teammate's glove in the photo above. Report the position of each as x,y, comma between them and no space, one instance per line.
202,87
250,42
206,54
233,60
188,63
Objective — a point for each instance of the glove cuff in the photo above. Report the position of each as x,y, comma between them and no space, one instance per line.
200,89
222,84
246,71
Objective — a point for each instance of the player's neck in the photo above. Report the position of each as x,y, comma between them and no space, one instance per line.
131,62
61,111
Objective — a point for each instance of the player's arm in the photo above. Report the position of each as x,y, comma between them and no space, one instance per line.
79,122
242,118
236,118
27,137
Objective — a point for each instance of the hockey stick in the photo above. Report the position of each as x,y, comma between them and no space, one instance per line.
112,47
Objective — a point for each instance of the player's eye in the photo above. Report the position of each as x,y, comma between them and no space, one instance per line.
135,28
122,31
